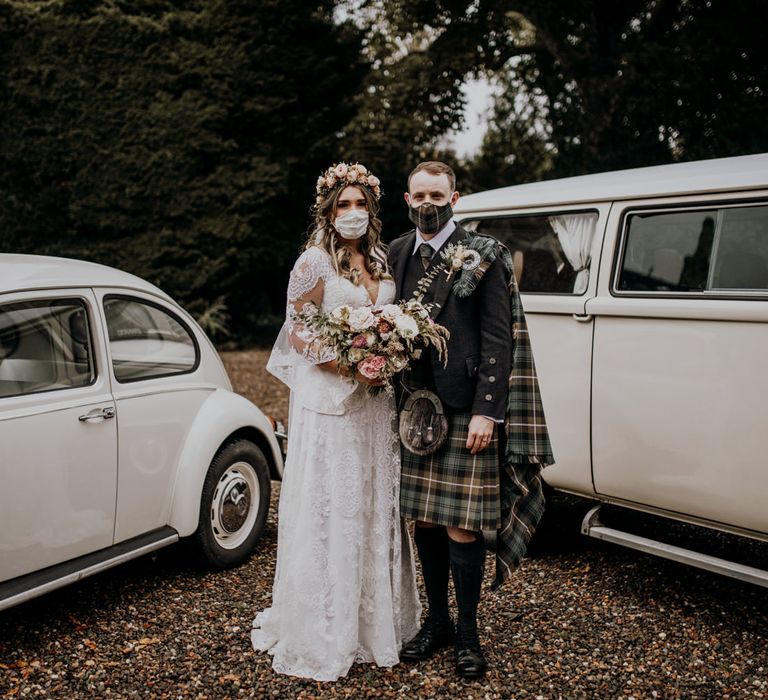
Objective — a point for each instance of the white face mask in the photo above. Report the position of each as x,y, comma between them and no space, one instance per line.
353,224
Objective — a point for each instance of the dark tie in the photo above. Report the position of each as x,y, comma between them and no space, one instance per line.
426,251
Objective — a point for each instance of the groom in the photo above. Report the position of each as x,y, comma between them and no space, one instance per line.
454,493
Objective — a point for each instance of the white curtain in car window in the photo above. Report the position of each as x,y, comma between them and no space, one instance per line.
576,232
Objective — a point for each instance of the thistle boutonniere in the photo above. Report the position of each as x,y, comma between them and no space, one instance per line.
459,257
470,259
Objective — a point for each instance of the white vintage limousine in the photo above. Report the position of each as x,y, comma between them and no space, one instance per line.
646,293
119,430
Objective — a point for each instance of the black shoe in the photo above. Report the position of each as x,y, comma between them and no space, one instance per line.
434,634
470,662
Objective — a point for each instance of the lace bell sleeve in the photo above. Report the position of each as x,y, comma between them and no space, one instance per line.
305,293
296,344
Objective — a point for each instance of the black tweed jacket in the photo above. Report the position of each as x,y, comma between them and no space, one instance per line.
475,379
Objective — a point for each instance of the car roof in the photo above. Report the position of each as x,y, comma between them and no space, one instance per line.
715,175
28,272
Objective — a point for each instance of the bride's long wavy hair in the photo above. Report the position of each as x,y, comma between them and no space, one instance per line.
323,234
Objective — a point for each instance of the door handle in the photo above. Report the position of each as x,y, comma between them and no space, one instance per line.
103,414
583,318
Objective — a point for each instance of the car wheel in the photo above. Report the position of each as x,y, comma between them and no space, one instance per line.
233,505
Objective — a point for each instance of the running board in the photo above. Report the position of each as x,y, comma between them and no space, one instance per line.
592,527
23,588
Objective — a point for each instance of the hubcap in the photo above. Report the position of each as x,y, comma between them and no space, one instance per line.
232,510
234,505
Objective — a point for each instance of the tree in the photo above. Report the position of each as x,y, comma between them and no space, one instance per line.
617,84
401,114
177,140
517,144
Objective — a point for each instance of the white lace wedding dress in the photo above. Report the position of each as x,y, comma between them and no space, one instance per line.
344,588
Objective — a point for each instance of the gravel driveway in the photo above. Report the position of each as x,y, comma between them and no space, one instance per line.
578,620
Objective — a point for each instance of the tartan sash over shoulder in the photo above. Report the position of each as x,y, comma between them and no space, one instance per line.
528,448
527,435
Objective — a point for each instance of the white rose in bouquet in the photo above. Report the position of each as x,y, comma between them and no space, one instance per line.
341,313
361,319
417,308
390,312
399,363
406,326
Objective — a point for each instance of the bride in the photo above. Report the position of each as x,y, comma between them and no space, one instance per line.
344,588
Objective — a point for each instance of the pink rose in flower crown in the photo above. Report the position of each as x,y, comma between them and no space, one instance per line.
371,366
341,170
373,181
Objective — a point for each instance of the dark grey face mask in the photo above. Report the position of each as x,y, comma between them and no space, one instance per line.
430,218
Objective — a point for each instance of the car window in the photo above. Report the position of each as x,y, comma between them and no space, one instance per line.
741,253
147,341
550,253
696,251
45,345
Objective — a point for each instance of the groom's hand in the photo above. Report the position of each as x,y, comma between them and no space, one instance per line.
364,380
479,434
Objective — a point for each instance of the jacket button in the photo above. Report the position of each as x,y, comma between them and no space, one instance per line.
492,361
491,379
489,397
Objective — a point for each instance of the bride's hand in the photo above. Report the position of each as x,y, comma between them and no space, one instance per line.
333,366
370,382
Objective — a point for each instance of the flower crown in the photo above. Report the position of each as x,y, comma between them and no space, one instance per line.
342,175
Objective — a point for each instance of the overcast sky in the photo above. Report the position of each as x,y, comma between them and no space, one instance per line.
467,142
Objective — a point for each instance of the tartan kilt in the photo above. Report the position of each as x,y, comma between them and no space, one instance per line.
453,487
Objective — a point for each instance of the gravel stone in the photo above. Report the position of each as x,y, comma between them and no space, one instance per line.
579,619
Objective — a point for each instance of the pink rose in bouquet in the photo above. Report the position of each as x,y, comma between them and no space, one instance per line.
372,366
377,342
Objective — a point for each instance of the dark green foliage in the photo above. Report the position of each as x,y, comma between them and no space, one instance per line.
614,84
177,140
181,139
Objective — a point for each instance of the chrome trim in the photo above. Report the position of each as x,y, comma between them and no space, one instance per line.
592,527
88,571
661,512
623,231
104,414
282,437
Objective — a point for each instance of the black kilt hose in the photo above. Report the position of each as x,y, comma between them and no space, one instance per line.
453,487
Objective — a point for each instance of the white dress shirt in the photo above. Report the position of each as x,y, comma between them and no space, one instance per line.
437,241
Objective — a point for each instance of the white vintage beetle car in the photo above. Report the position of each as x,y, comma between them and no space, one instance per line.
119,430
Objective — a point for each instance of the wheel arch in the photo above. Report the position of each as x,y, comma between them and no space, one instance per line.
223,417
261,441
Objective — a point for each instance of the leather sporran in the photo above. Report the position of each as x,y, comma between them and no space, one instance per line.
423,425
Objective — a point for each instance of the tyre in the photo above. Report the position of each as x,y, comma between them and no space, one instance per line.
233,505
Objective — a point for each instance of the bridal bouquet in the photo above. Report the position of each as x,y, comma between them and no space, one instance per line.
377,342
